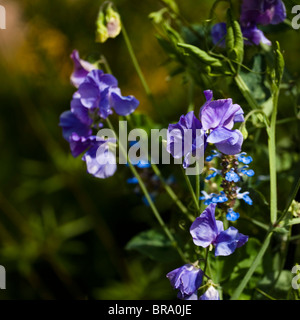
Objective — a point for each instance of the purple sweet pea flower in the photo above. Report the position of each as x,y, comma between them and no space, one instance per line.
206,230
185,138
252,35
255,36
219,113
187,279
219,117
79,144
262,12
218,34
100,161
82,113
71,124
122,105
99,91
81,69
210,294
227,141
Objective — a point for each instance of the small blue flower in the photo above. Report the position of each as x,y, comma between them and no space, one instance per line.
132,180
171,179
244,196
213,197
143,164
232,176
145,200
220,198
214,154
242,158
212,175
231,215
207,197
249,173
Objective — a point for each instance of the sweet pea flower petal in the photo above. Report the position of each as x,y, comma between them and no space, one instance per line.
79,144
70,124
94,91
210,294
228,240
227,141
262,12
81,112
253,35
219,113
177,145
218,34
205,229
81,69
101,162
187,279
122,105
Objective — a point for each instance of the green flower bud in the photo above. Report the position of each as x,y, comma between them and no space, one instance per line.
108,24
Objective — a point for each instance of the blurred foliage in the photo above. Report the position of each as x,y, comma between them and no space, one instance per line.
63,233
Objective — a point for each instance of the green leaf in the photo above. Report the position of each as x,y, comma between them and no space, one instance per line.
255,80
276,284
154,244
235,265
200,55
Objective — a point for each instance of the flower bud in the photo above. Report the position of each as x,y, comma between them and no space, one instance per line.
108,24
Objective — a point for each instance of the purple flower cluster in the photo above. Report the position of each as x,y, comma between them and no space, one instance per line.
216,122
217,118
206,231
96,97
253,13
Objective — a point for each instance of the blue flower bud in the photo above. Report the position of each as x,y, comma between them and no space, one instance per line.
231,215
232,176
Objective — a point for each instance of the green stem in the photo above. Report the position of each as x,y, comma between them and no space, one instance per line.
138,69
191,93
135,62
253,267
206,260
272,160
167,188
171,193
106,64
147,195
245,92
197,177
188,182
256,222
263,249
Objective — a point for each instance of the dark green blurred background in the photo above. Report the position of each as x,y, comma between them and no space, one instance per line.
62,231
